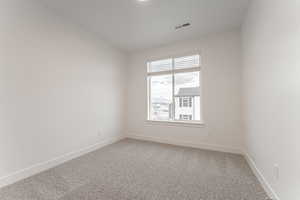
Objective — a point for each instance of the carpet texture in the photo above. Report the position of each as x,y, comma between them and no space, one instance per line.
136,170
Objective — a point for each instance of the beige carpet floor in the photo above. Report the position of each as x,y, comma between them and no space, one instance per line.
136,170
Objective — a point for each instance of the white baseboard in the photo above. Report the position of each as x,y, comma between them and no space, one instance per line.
267,187
40,167
187,144
37,168
263,181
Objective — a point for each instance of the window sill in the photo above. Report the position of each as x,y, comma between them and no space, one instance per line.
177,123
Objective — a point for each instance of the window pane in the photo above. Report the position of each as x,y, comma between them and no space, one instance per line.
160,97
187,96
187,62
160,65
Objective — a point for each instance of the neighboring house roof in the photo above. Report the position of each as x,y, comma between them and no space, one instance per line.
188,92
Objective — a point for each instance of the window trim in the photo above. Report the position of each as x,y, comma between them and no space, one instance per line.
173,72
195,124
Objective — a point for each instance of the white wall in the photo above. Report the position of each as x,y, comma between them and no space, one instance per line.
59,86
221,76
271,74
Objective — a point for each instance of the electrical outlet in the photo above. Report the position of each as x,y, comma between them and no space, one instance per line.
276,172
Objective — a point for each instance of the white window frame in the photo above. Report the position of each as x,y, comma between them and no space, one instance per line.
173,72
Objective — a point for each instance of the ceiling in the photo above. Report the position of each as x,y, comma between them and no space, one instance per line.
131,25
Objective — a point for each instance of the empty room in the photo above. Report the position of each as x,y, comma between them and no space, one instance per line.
149,99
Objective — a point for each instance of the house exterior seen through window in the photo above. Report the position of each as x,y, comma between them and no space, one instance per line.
174,89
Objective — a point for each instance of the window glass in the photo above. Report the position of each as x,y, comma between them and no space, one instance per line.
174,89
187,95
185,117
161,97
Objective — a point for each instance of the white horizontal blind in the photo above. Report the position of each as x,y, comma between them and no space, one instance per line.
160,65
187,62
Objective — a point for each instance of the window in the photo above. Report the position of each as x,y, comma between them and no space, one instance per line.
185,102
174,89
185,117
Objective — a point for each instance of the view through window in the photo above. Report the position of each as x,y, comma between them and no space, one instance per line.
174,89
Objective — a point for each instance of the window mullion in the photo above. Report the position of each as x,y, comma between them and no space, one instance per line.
149,98
173,90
